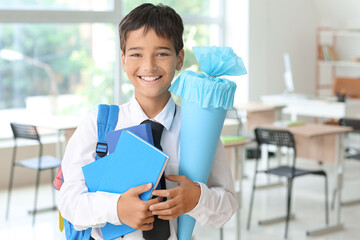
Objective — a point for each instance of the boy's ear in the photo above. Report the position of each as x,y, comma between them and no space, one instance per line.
180,60
123,61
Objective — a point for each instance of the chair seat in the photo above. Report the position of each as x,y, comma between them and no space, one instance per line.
355,156
286,171
46,163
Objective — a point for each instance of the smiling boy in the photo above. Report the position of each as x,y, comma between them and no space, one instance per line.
152,50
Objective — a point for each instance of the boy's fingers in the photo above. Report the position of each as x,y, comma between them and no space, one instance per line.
163,205
140,189
147,227
149,220
166,212
163,193
153,201
167,217
176,178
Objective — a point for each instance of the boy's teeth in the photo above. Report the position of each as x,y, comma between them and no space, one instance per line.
150,78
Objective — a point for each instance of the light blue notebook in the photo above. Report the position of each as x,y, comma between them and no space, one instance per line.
99,167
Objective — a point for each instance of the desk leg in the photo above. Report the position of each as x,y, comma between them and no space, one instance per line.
340,171
237,156
241,155
339,168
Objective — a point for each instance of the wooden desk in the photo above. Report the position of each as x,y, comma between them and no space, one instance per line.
315,141
259,114
311,140
318,142
237,156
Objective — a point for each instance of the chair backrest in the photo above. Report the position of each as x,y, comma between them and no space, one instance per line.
24,131
351,122
280,138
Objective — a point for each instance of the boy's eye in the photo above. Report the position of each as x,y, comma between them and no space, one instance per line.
162,54
135,55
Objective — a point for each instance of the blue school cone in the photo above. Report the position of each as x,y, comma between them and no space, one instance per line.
204,102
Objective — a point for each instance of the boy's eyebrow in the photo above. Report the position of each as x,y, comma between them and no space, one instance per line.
140,48
163,48
135,48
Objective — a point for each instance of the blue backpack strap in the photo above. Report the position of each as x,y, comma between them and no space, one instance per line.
87,234
106,122
72,234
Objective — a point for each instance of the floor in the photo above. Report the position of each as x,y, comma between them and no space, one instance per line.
308,206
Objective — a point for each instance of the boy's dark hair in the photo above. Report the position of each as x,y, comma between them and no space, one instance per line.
162,19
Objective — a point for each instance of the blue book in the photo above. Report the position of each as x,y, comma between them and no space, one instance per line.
134,162
98,168
142,130
95,171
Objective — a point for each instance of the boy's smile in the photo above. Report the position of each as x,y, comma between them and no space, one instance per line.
150,62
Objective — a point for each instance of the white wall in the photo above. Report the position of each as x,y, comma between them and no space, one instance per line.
279,26
276,27
236,28
339,13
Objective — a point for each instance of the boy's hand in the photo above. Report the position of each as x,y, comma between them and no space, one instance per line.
135,212
183,198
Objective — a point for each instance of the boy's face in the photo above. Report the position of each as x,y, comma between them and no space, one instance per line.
150,62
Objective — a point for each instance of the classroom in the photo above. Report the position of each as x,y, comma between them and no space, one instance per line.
296,111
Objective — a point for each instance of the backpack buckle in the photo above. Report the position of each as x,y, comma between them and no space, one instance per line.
101,149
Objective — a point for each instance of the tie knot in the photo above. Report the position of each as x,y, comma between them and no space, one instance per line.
156,129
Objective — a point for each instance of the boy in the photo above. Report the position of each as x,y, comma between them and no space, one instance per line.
152,49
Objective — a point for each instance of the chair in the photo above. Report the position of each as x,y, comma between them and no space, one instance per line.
351,152
39,163
283,138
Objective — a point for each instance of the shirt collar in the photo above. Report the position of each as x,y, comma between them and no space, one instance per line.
165,117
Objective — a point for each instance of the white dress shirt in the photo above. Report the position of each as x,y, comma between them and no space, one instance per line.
84,209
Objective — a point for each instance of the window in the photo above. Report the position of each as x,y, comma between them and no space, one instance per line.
54,69
74,57
81,5
186,9
79,56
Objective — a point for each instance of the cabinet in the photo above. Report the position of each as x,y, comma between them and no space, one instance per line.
338,62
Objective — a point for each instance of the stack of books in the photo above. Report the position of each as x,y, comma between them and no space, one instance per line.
132,161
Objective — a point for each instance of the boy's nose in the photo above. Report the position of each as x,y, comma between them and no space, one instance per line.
150,64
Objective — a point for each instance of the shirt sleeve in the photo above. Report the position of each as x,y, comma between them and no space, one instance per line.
80,207
217,202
